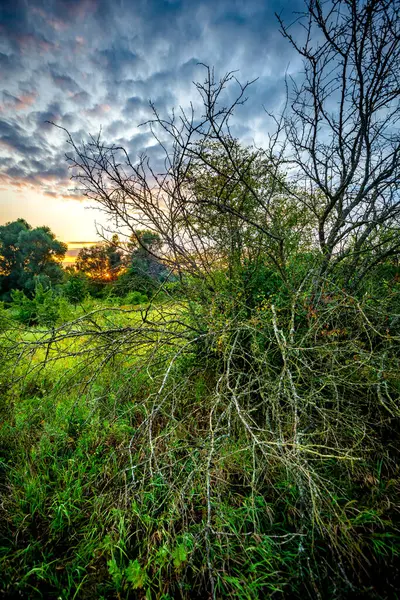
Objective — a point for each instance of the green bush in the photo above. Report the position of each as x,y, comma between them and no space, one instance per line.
136,298
76,288
46,307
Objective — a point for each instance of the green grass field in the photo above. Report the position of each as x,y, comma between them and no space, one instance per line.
132,466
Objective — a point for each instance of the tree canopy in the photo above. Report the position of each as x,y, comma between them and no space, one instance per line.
28,256
144,269
101,262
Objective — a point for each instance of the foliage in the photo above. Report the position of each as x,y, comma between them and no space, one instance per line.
135,298
144,270
101,262
226,181
46,307
245,469
237,435
76,287
27,257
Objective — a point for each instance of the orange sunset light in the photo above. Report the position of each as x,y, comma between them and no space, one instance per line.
73,251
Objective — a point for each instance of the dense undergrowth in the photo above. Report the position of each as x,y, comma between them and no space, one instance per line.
249,453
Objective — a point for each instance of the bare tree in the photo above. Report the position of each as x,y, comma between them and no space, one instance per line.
339,137
341,128
211,191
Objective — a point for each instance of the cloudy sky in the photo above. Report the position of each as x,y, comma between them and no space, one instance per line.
86,64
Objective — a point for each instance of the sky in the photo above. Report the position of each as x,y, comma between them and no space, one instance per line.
86,64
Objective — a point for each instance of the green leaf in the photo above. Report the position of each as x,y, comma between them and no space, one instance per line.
179,555
135,574
115,572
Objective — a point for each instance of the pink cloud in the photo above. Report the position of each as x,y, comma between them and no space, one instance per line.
41,184
6,145
98,110
20,102
26,99
83,8
8,181
79,44
76,10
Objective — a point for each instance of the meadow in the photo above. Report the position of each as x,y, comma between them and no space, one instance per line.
141,459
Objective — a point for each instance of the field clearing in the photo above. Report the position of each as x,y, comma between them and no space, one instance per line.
125,333
68,419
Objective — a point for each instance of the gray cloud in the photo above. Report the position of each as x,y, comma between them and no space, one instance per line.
86,64
14,137
65,83
81,98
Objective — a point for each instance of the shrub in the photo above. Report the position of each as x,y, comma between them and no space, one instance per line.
76,289
47,307
136,298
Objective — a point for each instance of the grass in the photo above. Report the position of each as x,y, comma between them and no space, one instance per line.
155,474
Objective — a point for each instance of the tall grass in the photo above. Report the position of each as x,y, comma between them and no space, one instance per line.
237,455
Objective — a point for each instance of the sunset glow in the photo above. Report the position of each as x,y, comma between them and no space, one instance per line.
73,251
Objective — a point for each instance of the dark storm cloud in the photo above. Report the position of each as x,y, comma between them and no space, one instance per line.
9,64
136,107
52,113
118,62
86,64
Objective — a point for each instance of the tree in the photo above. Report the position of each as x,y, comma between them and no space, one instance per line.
76,287
179,206
339,138
341,129
231,212
102,262
144,269
143,249
27,257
